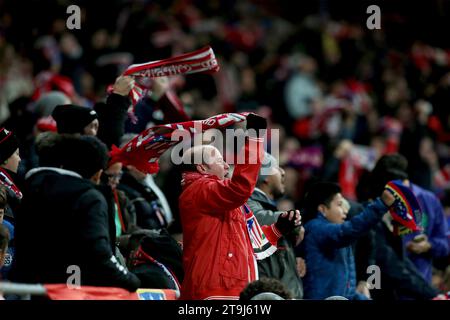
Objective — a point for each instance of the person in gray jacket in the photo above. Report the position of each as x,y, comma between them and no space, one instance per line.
282,265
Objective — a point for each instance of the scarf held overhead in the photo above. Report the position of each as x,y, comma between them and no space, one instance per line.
199,61
144,150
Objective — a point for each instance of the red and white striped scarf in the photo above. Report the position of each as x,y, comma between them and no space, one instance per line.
202,60
144,151
6,181
261,245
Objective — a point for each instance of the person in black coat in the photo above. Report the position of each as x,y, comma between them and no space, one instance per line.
400,279
106,120
9,165
150,212
63,220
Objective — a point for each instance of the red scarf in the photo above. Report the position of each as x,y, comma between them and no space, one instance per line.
144,150
6,181
202,60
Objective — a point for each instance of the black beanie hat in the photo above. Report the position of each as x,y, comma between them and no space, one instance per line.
8,144
71,118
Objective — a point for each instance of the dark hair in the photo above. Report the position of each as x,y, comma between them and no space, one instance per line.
4,238
389,167
85,155
317,194
45,148
265,285
3,197
392,161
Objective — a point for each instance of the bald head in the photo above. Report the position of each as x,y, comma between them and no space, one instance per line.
205,159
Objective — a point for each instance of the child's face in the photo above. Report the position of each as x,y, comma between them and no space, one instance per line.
336,211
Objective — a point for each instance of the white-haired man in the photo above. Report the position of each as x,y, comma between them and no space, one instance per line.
221,237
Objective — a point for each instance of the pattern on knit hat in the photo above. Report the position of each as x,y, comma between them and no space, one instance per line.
72,118
8,144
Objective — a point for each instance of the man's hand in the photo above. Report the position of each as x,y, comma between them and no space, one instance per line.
388,198
288,221
363,288
419,247
300,236
254,124
301,267
123,85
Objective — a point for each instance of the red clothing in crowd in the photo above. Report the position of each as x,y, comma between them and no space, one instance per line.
218,257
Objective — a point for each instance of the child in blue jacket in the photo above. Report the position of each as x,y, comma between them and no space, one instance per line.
327,246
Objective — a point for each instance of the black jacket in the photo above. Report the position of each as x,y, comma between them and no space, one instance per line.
64,221
111,117
145,202
282,264
399,277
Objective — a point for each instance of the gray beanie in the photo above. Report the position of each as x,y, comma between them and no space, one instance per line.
46,103
268,164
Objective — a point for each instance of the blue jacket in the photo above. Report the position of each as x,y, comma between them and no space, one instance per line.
435,227
328,253
4,271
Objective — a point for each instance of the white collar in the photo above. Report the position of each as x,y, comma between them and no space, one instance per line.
59,170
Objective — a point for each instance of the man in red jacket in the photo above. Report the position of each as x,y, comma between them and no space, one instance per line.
221,237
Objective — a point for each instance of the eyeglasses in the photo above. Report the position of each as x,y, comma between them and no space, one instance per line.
115,176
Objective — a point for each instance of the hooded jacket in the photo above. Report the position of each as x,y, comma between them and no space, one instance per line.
218,256
64,222
282,264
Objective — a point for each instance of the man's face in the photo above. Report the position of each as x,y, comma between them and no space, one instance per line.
91,129
114,173
276,182
335,212
13,161
215,164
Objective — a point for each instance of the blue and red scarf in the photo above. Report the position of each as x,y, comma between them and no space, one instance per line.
406,210
261,245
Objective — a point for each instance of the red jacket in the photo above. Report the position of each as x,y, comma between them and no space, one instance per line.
218,257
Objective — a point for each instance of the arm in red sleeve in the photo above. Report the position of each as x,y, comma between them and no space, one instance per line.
229,194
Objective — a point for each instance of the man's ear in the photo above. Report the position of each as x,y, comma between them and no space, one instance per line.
321,208
96,177
201,168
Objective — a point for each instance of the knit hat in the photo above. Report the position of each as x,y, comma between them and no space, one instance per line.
8,144
45,105
268,165
72,118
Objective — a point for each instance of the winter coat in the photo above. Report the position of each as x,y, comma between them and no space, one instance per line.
435,227
218,257
63,222
282,265
329,255
400,280
149,210
111,118
9,257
